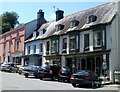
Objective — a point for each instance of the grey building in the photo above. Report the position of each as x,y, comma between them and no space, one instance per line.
87,40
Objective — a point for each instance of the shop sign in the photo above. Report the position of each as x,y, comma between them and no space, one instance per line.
104,65
104,58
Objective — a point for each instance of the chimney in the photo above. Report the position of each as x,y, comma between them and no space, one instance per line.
40,17
59,14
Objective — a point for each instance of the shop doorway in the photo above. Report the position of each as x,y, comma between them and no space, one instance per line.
68,62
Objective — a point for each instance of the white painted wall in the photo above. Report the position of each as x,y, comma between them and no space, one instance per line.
108,37
115,50
44,51
31,44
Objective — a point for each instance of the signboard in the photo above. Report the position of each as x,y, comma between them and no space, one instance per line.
104,58
104,65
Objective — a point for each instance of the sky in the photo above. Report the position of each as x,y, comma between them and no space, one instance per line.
27,11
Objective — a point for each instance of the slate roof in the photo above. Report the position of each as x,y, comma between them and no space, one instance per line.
105,13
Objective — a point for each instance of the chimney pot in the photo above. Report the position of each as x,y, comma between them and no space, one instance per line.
59,14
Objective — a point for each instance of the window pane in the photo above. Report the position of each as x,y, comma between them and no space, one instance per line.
28,49
64,43
34,48
86,40
47,46
72,42
41,48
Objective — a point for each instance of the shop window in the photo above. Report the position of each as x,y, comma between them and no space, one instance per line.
86,41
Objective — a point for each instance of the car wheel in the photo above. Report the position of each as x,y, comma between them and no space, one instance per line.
53,78
59,80
73,84
93,84
36,76
19,73
10,70
26,75
41,78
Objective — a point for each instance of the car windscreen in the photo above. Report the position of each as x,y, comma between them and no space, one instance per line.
5,65
47,67
86,73
65,70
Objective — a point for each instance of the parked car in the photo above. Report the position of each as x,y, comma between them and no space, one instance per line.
31,70
20,69
65,74
9,67
49,72
85,77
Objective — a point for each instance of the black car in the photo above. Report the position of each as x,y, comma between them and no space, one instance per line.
31,70
49,72
9,67
65,74
85,77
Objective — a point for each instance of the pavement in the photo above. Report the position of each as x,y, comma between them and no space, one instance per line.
109,84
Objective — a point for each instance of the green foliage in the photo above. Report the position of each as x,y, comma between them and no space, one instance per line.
8,20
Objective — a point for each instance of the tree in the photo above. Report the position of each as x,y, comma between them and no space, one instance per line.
8,20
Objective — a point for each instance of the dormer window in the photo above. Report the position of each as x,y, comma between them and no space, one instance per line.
74,23
44,31
59,27
91,18
34,34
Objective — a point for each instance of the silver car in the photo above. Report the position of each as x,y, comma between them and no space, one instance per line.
9,67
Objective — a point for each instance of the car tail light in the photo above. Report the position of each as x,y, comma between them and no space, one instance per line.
72,76
87,77
50,72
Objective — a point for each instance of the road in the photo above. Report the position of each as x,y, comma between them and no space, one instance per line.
13,81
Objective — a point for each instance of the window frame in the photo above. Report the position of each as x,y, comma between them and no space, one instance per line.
54,45
17,45
28,49
97,39
72,39
34,48
74,23
86,41
64,41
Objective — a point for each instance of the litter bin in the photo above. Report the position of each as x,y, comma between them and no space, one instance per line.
116,76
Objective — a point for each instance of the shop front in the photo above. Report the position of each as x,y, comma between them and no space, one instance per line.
53,59
97,62
33,59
